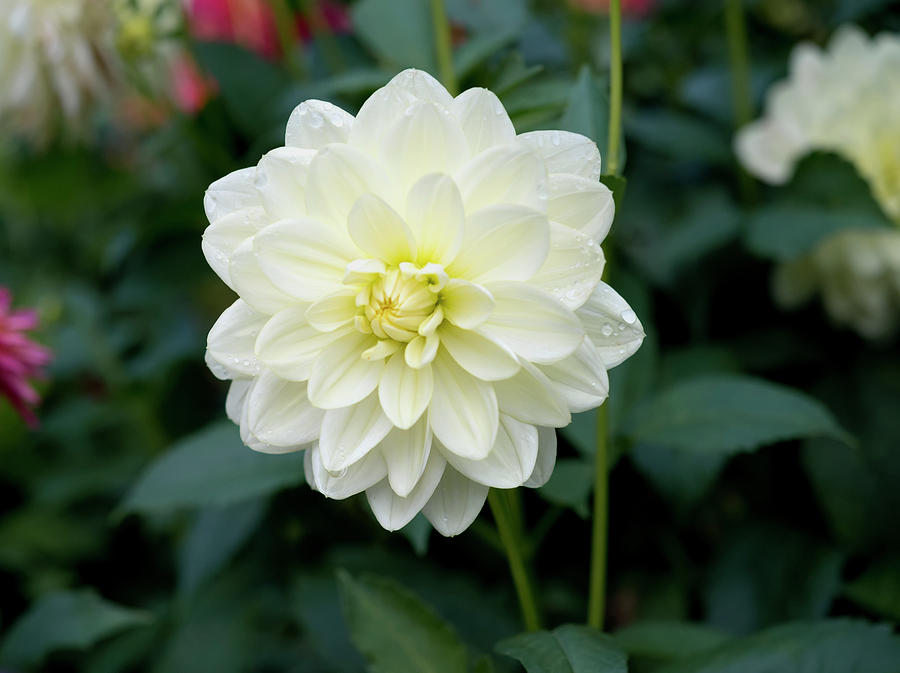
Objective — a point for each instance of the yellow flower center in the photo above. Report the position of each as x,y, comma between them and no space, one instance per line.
402,302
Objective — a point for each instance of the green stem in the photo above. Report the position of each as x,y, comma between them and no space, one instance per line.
739,58
597,596
615,87
443,46
284,26
511,536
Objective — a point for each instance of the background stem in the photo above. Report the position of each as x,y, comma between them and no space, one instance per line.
615,87
511,536
597,596
443,47
739,59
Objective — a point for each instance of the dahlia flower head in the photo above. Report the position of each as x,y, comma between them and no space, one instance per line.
57,59
843,99
420,302
20,358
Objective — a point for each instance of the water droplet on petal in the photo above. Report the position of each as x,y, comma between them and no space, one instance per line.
628,316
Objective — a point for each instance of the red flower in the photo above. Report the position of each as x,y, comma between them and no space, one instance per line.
20,358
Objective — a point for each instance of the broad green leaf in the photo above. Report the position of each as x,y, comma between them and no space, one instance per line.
488,17
513,73
766,575
878,588
730,413
786,231
216,534
65,620
399,32
570,485
832,646
474,51
682,475
211,468
567,649
663,641
395,631
417,532
680,136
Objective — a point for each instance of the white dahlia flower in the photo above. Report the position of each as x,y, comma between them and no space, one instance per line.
420,298
845,99
57,59
857,271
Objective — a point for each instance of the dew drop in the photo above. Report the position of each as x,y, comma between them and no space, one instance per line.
606,329
628,316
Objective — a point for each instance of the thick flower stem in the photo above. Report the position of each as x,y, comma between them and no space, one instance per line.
511,536
615,87
739,58
284,26
597,596
443,46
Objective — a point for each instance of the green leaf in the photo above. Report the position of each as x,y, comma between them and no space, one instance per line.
395,631
211,468
570,485
766,575
399,32
216,535
789,230
617,185
65,620
679,136
567,649
587,112
730,413
833,646
878,588
417,532
663,641
474,51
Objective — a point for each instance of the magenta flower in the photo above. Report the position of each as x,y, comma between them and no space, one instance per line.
20,358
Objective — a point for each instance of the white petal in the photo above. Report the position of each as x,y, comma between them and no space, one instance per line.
581,203
226,234
483,120
546,458
281,181
503,242
572,269
532,323
379,231
465,304
404,392
253,286
392,511
611,325
421,351
434,212
503,175
236,191
580,378
564,152
406,454
511,460
338,176
340,376
250,439
424,139
464,415
279,412
529,397
304,258
349,433
315,123
421,86
236,398
230,341
288,344
333,311
478,353
349,481
455,503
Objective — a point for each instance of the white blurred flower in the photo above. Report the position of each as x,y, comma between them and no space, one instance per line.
857,271
420,298
844,99
57,58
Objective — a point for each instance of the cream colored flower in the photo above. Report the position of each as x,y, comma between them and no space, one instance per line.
57,58
846,100
857,271
420,298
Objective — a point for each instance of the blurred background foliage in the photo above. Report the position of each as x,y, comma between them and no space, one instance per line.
757,451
